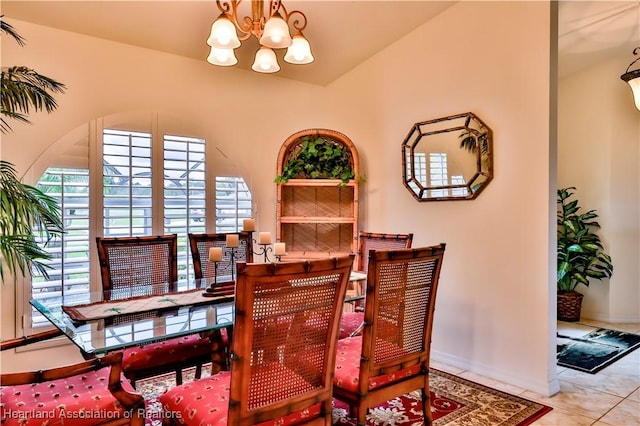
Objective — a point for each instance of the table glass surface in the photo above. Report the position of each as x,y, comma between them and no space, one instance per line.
99,336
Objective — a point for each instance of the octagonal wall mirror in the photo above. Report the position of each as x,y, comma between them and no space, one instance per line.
448,158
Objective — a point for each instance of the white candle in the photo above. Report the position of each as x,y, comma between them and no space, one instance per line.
215,254
279,248
232,240
264,238
249,225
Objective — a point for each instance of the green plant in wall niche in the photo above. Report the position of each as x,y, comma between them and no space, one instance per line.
318,158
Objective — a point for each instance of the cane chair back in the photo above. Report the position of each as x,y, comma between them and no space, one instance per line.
379,241
90,386
136,266
200,245
281,368
391,357
353,318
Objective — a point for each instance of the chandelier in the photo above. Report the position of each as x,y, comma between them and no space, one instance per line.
633,78
272,32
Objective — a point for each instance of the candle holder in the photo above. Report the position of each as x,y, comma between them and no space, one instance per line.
209,290
264,251
232,256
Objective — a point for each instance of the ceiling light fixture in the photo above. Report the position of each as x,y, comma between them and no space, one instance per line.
272,32
633,78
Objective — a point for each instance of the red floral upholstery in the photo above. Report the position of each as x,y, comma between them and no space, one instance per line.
161,353
283,349
131,266
207,400
80,400
348,366
391,355
351,321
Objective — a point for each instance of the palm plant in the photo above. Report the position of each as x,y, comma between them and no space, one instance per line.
25,211
580,252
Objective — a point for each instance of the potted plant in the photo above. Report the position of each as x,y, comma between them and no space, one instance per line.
581,255
318,158
25,211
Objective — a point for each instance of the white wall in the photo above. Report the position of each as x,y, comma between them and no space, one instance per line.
599,154
493,313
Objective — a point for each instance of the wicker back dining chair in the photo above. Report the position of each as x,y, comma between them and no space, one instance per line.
391,357
281,369
379,241
200,245
352,320
59,395
135,266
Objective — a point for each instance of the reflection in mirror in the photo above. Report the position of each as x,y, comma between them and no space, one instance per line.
448,158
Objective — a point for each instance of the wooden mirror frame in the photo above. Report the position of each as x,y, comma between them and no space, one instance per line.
463,133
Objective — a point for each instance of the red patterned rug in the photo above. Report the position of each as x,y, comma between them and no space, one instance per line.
454,401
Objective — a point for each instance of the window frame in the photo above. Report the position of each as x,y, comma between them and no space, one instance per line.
94,141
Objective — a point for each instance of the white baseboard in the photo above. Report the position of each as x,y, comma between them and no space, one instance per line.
544,388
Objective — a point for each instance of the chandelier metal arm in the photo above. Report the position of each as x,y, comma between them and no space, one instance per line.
246,26
254,25
295,23
635,52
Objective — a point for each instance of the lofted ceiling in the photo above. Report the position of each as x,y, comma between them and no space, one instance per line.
592,31
342,33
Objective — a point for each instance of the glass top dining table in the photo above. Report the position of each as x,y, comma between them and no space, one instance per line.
98,326
146,315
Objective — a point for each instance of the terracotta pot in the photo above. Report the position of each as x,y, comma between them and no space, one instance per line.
569,306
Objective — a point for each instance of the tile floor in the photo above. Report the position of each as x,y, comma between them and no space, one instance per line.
610,397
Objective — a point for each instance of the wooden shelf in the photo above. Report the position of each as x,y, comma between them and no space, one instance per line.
317,217
318,182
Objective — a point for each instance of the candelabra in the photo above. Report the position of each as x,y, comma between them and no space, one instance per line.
232,255
264,241
209,291
264,251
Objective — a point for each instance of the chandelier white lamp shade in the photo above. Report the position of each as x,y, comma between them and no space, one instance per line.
272,31
265,61
299,52
276,33
223,34
633,78
222,57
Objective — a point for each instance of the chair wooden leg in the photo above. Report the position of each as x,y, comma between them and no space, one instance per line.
218,353
361,415
198,371
426,406
178,376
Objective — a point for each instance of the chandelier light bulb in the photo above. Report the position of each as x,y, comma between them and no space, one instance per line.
300,51
222,57
265,61
276,33
223,34
634,83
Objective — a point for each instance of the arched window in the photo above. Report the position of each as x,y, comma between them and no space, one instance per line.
143,187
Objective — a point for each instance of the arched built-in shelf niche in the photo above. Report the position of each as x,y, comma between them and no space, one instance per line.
317,216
